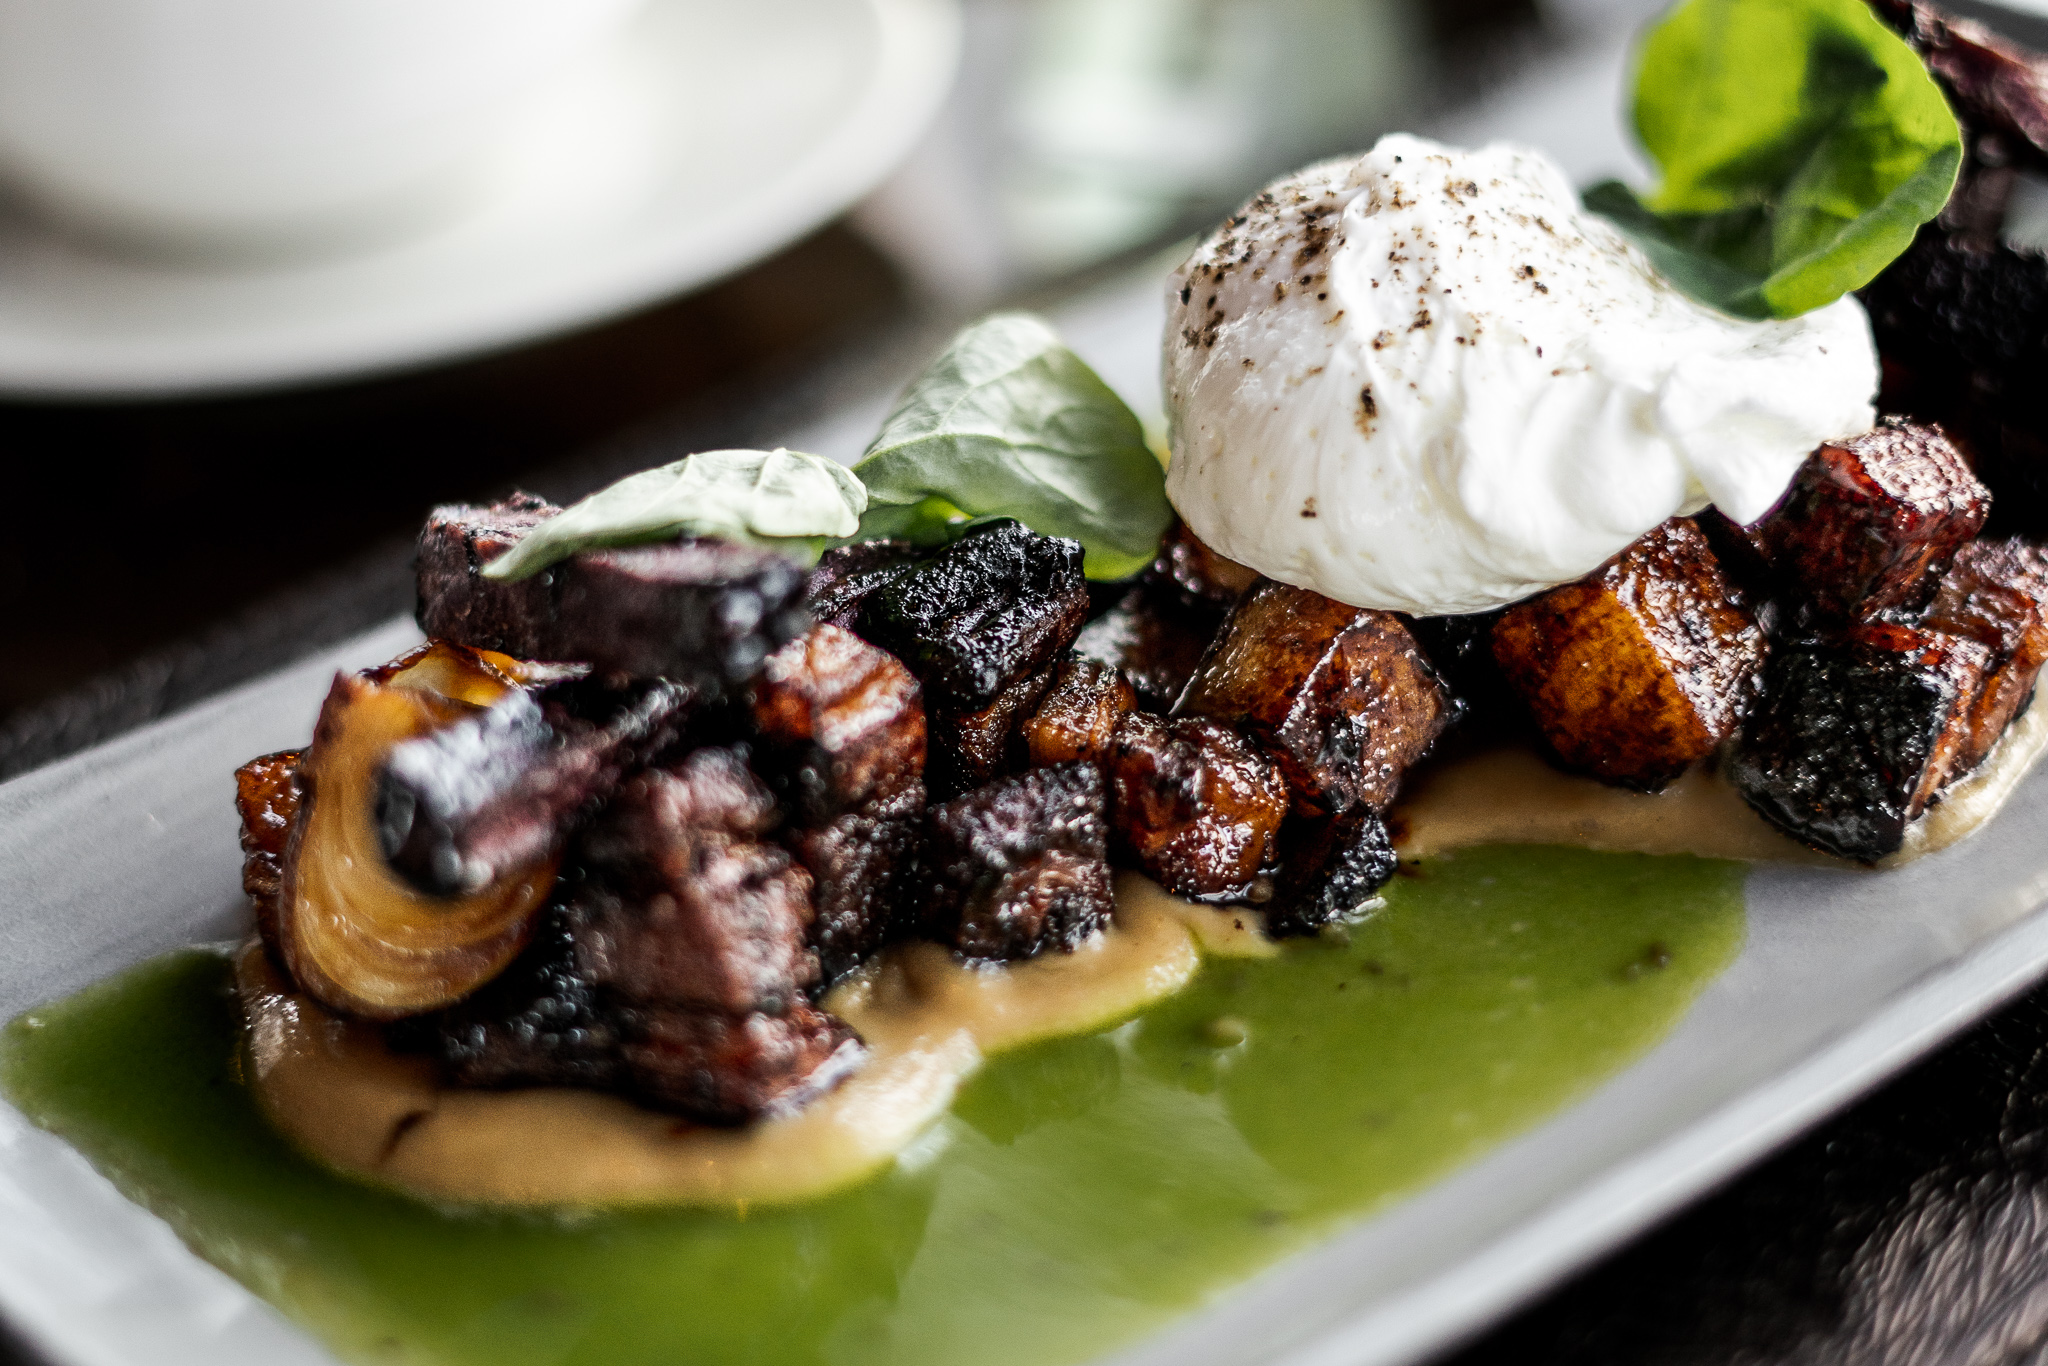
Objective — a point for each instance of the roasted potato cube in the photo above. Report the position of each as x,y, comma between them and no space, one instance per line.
973,748
1868,520
704,613
841,722
846,574
860,867
1329,866
687,903
1855,735
1195,804
981,615
1341,697
1643,667
1019,866
1079,715
1994,593
1157,649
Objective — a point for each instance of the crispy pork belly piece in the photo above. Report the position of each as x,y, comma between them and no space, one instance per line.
846,574
841,724
1341,697
1870,520
267,796
1078,717
972,748
981,615
1996,593
1643,667
1196,577
1020,866
687,903
731,1069
1195,804
463,806
1329,866
1855,735
703,612
861,876
1158,649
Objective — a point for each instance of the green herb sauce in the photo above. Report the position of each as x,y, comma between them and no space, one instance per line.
1080,1193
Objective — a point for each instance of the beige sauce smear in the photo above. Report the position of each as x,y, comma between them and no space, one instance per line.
334,1088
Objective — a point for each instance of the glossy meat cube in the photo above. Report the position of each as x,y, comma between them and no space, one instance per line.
1869,520
970,748
687,903
1642,668
1341,697
732,1069
1195,804
1855,735
1019,866
1994,594
1078,717
861,867
704,612
1329,866
1157,649
841,724
986,612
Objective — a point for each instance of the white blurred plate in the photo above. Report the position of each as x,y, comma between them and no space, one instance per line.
709,136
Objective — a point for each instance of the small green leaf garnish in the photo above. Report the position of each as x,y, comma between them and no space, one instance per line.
1802,145
1008,422
782,499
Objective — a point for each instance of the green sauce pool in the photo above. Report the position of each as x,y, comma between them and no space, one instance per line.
1079,1194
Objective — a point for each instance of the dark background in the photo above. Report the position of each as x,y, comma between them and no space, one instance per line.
158,552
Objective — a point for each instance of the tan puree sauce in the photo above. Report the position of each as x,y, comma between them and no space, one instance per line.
334,1088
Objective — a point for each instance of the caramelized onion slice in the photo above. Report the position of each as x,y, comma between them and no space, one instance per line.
356,936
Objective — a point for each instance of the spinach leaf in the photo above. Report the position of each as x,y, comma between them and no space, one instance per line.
781,499
1801,142
1008,422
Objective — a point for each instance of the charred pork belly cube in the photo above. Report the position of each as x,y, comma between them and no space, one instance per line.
1157,649
1329,866
1996,593
267,799
1189,573
1020,866
702,612
1341,697
687,902
1078,717
1868,521
1643,667
861,875
971,748
847,574
842,724
981,615
730,1069
504,789
1195,804
1854,736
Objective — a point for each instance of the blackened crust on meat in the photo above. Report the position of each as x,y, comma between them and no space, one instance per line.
981,615
267,798
971,748
702,612
841,725
503,790
1195,805
1341,697
1157,649
1854,736
1330,866
845,575
1870,521
861,868
1020,866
